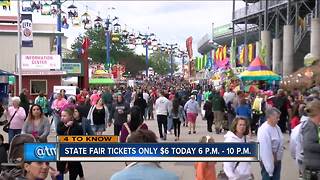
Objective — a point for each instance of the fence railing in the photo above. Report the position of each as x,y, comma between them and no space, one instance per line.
257,8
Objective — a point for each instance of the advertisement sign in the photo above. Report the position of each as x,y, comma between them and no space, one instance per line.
72,68
70,90
26,30
41,62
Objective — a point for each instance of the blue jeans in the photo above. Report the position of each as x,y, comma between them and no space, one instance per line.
276,172
12,133
56,120
170,123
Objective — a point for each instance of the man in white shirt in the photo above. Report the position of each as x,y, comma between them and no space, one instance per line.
162,107
229,96
271,146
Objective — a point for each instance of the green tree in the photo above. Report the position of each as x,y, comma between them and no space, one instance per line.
160,62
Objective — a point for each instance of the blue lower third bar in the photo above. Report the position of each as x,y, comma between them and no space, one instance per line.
40,152
158,152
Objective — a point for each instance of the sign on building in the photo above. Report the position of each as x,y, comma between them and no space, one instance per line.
72,68
41,62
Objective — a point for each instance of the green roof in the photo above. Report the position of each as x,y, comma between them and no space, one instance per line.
101,81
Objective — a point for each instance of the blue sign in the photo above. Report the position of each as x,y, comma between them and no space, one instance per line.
40,152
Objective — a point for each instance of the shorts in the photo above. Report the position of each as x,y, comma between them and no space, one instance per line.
192,117
98,127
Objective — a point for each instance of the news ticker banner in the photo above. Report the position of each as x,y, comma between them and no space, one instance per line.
141,152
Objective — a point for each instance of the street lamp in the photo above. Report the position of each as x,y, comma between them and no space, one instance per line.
171,48
108,30
183,54
146,42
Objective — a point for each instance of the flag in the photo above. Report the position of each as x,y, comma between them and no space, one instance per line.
216,54
189,47
250,52
26,28
242,51
224,53
85,45
233,53
204,61
198,63
209,60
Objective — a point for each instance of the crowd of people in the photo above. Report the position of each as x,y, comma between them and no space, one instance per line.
238,115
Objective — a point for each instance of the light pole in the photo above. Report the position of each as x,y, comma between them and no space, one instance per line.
19,47
116,26
58,3
183,54
171,48
146,41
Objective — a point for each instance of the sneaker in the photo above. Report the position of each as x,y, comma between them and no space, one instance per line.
168,132
165,137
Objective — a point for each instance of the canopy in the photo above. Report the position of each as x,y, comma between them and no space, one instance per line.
259,71
5,73
105,81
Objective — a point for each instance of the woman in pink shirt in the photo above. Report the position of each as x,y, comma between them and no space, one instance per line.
16,115
95,97
57,105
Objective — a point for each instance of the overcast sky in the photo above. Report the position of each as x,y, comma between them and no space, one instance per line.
171,21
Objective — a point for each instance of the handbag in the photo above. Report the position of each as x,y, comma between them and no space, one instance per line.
6,126
223,176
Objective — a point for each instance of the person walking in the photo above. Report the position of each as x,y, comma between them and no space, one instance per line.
218,107
24,101
311,142
144,170
239,129
142,104
57,105
192,108
119,112
16,116
37,124
162,109
42,101
69,126
177,114
208,115
135,123
98,116
281,102
205,170
83,122
271,146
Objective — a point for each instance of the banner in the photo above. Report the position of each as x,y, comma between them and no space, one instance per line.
189,47
116,152
26,30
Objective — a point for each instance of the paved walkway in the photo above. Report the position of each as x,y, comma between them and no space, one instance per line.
185,170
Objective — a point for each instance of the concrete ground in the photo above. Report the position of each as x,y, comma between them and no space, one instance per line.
185,170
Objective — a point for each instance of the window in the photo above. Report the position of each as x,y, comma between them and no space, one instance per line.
38,85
